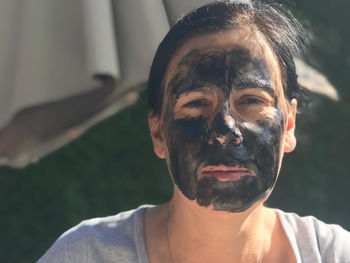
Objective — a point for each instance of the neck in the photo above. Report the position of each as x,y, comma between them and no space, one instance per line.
214,236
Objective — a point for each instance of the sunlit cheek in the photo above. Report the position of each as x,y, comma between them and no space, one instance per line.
267,126
270,113
253,127
190,113
255,113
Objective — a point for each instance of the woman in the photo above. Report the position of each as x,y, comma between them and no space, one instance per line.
222,102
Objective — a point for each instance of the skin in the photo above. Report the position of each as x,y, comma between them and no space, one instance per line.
222,105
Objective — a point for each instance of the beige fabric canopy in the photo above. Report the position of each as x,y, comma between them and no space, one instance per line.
66,65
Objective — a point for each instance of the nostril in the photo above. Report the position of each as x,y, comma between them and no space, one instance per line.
226,131
227,140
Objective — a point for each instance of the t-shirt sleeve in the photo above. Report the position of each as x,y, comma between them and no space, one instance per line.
335,243
117,238
316,241
72,246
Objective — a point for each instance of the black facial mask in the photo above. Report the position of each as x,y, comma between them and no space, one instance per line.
192,142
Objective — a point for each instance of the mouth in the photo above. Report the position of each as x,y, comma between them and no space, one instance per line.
225,173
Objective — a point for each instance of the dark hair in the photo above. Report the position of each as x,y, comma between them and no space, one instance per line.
282,31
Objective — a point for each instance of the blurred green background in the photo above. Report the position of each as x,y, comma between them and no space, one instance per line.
112,167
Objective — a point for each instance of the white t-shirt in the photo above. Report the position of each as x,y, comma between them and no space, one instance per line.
120,238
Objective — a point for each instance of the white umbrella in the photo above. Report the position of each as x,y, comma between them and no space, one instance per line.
66,65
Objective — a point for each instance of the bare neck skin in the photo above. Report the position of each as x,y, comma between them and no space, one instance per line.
212,235
197,234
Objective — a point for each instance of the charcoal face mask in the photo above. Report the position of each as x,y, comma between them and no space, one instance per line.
192,141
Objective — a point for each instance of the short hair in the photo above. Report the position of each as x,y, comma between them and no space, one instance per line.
283,33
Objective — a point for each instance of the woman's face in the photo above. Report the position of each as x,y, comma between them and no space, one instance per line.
223,121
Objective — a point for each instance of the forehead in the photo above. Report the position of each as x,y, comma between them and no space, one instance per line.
225,42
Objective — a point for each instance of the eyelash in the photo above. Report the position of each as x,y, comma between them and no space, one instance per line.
250,101
196,104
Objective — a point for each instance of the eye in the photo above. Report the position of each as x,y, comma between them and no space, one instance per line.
250,101
197,104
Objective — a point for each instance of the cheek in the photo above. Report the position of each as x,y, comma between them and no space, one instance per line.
185,141
264,133
188,130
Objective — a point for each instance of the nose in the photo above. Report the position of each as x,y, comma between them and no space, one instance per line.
226,130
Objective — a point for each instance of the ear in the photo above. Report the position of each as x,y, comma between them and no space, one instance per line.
157,137
289,137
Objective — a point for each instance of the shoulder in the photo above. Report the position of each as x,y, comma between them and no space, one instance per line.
315,240
98,239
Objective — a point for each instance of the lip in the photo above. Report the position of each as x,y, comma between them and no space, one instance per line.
225,173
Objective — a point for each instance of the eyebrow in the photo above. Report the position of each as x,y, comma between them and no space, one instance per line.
179,87
177,83
264,85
